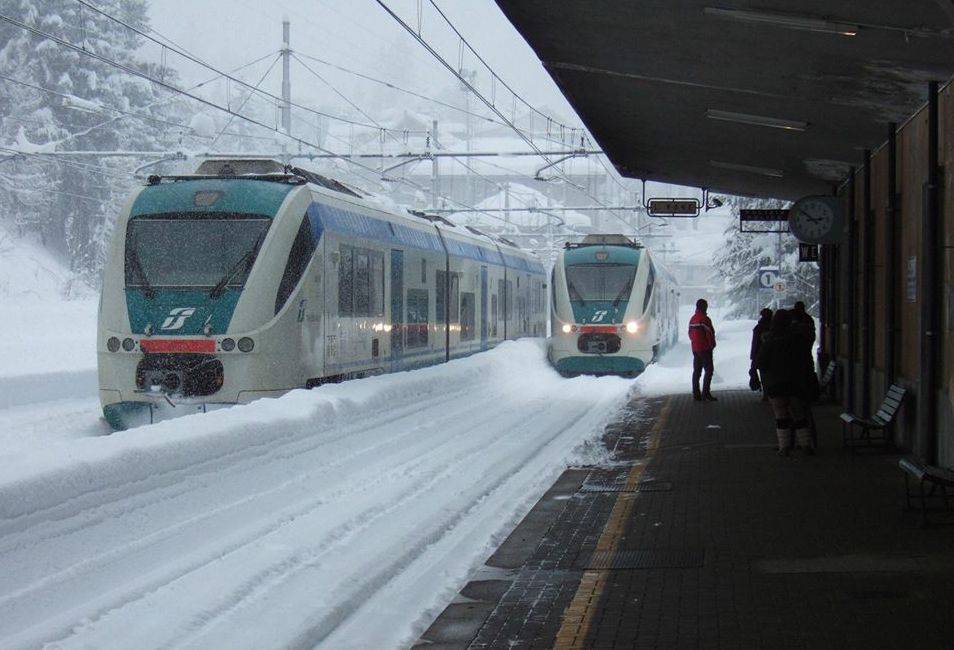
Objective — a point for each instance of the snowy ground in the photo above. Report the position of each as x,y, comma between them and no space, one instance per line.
346,516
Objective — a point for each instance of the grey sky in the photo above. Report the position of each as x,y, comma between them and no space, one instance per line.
358,34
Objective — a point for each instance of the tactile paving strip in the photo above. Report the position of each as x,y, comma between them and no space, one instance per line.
642,559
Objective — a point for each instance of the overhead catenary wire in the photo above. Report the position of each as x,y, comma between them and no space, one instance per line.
169,86
208,66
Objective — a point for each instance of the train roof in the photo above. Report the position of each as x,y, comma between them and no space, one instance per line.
217,171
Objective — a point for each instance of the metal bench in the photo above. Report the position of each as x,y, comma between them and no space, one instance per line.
874,430
937,477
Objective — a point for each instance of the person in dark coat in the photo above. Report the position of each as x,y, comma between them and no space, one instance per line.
783,380
803,329
759,332
702,338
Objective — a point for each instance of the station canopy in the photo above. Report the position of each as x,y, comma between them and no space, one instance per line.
775,98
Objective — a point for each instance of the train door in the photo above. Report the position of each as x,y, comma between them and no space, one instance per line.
483,307
397,306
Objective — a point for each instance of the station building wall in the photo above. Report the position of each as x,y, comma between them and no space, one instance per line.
892,261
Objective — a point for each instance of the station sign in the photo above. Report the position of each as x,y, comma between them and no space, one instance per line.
673,207
768,277
763,214
779,287
807,252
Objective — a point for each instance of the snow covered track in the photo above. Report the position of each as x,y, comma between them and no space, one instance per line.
338,517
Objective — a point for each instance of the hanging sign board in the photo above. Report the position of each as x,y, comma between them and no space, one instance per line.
776,221
672,207
807,252
763,214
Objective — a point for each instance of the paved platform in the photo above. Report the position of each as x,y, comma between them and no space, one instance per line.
698,536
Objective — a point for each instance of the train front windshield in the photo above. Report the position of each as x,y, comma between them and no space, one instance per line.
600,282
185,251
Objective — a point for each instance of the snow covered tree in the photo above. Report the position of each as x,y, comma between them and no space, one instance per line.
59,99
739,261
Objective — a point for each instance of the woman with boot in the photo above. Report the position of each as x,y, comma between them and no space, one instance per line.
779,363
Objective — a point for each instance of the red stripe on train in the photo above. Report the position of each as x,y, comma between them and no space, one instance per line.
160,346
598,329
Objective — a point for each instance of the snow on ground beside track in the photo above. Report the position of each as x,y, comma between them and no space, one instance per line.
345,516
49,316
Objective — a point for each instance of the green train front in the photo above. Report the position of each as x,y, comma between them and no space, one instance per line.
193,281
613,308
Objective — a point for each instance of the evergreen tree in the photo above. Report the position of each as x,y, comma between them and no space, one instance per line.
739,261
74,106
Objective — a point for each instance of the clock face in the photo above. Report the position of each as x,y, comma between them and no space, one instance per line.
815,219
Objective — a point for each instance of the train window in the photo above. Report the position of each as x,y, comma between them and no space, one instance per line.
599,282
441,293
509,299
377,284
362,283
173,250
423,271
468,311
417,308
345,282
502,292
649,286
301,251
493,315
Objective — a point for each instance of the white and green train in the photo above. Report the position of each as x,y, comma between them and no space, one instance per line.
249,279
614,307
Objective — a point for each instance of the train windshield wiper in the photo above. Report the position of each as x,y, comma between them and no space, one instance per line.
146,286
245,262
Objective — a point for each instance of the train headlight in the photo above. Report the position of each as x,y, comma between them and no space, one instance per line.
632,327
567,328
112,344
129,345
228,344
245,344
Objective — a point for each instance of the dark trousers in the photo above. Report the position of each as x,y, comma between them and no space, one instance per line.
701,361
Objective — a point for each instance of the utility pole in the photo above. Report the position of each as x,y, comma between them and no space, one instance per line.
286,76
435,168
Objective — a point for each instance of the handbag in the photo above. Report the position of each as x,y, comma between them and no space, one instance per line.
754,382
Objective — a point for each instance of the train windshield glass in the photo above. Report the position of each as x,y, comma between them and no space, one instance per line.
192,252
600,282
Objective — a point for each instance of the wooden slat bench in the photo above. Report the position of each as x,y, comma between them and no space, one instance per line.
858,431
937,477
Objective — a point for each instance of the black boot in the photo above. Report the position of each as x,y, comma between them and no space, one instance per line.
709,398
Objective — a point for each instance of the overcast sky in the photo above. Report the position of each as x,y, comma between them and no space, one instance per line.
357,34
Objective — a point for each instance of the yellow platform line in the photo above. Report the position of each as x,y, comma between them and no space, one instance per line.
578,616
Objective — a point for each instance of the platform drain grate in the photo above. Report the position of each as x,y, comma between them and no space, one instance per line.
641,559
619,485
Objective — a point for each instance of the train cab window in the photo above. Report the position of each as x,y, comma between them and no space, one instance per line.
441,293
301,251
650,281
417,318
468,311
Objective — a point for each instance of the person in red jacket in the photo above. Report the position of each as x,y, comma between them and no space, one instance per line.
702,337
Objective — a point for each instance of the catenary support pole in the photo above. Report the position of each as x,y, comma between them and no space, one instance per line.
286,76
927,391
